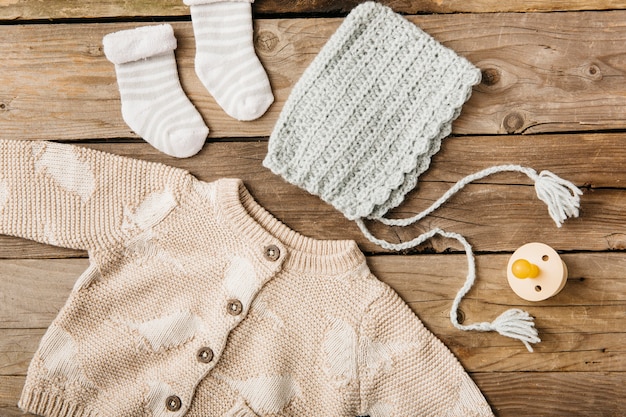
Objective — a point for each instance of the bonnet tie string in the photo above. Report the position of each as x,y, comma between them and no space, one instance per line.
561,196
513,323
563,200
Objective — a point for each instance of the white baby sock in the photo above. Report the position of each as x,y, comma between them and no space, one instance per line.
226,62
154,104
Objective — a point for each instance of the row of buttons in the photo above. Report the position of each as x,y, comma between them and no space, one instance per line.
234,307
204,355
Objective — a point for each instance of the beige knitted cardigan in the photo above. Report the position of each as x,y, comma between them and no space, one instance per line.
198,302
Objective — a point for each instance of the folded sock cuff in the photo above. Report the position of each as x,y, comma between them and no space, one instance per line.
135,44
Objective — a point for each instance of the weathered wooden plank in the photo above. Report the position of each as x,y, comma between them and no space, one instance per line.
582,328
10,390
17,347
494,216
56,83
12,247
77,9
33,292
510,394
595,160
571,394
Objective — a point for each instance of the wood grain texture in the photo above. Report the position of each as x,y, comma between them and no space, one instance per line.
571,394
79,9
56,83
558,74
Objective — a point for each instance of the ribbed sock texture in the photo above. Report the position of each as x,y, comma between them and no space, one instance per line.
155,106
226,62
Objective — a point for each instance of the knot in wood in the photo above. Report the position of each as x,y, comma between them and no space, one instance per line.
95,50
460,316
490,76
616,241
266,41
594,72
513,122
3,106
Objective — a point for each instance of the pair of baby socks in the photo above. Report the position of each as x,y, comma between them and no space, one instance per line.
154,104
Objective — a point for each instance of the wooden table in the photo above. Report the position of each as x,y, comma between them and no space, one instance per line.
553,97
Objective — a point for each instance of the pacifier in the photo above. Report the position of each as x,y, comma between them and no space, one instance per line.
536,272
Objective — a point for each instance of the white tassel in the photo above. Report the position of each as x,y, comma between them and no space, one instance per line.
517,324
561,196
513,323
563,200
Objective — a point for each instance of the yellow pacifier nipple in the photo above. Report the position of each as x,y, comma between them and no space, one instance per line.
523,269
536,272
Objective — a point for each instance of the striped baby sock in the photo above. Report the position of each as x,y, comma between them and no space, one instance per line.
154,104
226,62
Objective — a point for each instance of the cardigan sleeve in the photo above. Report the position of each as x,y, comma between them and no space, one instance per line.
76,197
404,370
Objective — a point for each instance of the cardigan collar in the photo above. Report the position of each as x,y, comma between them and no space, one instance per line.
258,227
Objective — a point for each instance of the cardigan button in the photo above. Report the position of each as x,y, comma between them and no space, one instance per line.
205,355
272,253
173,403
234,307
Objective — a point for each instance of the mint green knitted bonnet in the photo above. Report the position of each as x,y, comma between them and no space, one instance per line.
364,120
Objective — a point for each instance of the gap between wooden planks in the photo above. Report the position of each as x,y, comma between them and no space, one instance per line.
80,9
499,214
575,59
56,83
583,334
582,327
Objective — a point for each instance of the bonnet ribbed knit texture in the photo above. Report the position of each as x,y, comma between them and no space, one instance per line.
366,116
